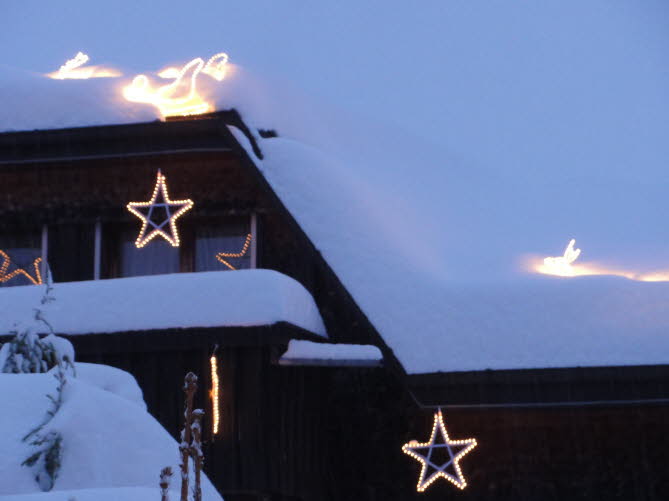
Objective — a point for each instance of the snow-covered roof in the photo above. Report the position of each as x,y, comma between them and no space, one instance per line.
180,300
303,352
559,125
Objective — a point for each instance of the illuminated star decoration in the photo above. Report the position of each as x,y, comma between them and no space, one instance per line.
159,215
448,465
241,253
5,277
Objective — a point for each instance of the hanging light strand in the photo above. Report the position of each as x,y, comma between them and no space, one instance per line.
215,395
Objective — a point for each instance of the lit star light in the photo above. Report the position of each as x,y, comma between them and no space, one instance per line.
448,465
159,215
6,277
221,255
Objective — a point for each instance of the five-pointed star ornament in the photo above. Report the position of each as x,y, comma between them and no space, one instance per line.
159,215
439,456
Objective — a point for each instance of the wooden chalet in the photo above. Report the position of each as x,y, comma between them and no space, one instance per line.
315,429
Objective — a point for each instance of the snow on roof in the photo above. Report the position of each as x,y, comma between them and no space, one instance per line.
135,446
180,300
302,352
560,132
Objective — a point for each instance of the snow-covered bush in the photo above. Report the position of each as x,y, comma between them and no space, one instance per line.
46,460
28,353
112,448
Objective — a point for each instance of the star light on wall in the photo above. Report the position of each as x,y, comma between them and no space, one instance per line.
6,277
159,215
221,255
447,466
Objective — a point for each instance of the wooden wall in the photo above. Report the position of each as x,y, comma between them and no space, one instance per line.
315,433
79,185
286,432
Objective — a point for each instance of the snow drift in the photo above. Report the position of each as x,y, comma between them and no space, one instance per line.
109,439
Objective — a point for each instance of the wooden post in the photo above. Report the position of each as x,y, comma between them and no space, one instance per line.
196,452
190,387
165,477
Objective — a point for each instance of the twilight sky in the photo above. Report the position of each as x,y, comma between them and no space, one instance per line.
462,73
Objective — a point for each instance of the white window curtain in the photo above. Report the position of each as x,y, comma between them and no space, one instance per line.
155,258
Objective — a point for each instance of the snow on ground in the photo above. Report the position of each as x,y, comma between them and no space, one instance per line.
560,130
181,300
101,494
109,441
111,379
301,352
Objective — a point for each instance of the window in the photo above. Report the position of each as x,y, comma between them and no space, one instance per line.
157,257
71,251
207,244
20,258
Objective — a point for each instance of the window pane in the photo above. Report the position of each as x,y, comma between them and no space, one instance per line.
17,259
223,246
156,257
71,251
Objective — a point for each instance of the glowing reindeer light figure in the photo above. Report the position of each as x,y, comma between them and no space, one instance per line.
562,265
165,97
217,67
74,69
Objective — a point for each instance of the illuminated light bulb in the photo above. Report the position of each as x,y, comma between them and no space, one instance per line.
241,253
6,261
166,228
165,97
74,69
214,394
463,447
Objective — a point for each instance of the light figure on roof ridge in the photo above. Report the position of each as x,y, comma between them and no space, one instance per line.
566,266
450,468
6,277
179,98
164,226
562,265
74,69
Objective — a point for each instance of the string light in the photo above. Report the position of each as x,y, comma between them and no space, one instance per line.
463,446
6,261
74,69
217,67
241,253
565,266
163,98
169,222
214,393
562,265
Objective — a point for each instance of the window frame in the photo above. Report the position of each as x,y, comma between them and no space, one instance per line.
108,238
